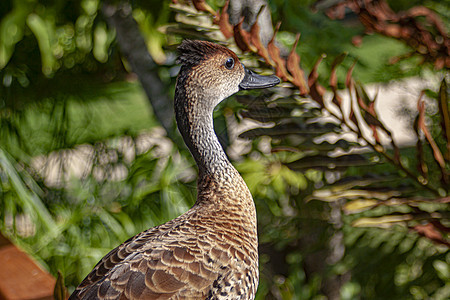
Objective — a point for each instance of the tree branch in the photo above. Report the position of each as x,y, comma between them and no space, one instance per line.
134,49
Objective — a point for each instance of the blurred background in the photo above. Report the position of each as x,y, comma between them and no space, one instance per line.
347,160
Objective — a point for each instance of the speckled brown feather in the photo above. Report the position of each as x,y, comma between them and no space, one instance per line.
210,252
194,256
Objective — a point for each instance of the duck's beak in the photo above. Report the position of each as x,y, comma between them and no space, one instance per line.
255,81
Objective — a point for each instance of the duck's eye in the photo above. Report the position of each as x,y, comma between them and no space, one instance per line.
229,64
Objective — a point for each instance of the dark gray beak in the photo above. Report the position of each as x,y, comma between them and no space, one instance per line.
256,81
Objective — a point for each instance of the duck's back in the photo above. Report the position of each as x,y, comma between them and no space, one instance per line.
207,253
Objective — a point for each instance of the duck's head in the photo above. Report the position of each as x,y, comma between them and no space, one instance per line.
211,71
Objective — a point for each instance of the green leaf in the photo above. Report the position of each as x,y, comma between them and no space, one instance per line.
11,32
25,196
331,194
301,129
442,268
323,162
357,206
382,222
43,34
267,115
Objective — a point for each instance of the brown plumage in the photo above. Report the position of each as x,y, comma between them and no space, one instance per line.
209,252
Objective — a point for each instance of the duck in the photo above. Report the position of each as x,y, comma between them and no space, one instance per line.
210,251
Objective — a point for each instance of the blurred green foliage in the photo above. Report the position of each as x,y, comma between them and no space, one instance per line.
66,92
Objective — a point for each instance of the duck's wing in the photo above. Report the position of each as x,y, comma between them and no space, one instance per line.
159,263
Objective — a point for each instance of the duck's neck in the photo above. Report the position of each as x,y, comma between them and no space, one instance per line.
194,114
219,183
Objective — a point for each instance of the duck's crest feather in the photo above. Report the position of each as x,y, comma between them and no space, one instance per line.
194,52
